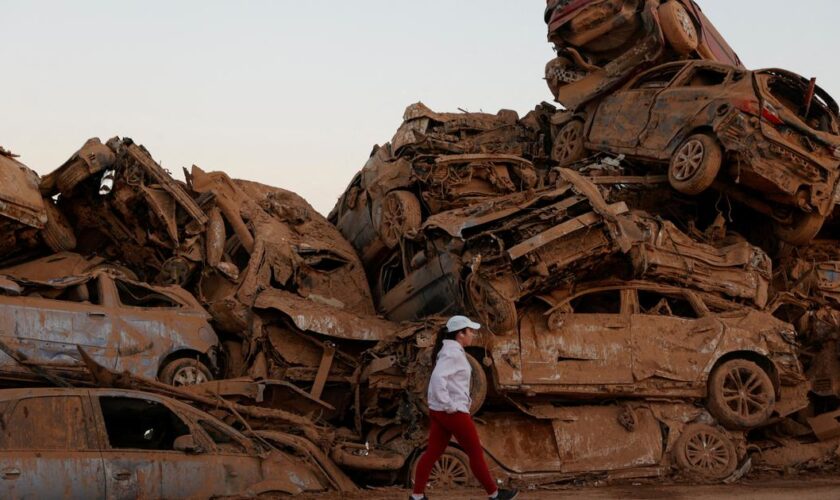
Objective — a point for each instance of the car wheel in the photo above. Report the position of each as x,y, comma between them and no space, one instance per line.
741,394
494,310
695,164
805,228
451,471
678,27
71,176
57,233
478,387
704,452
568,145
185,371
399,214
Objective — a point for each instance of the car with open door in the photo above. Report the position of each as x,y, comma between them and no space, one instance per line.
768,138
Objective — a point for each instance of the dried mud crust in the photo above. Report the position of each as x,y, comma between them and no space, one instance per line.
57,233
741,394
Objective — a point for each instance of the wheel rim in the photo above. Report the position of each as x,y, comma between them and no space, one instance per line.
568,143
688,160
707,453
393,218
448,472
687,25
744,393
188,375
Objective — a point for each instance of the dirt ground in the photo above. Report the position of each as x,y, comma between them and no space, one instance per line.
803,488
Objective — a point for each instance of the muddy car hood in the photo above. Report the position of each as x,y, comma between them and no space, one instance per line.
19,196
309,315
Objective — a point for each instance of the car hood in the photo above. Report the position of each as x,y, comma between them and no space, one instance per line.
19,196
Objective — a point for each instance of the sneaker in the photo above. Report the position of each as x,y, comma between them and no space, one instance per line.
507,494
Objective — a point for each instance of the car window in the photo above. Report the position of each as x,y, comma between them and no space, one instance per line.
657,79
658,304
140,424
705,77
602,302
46,423
134,295
224,440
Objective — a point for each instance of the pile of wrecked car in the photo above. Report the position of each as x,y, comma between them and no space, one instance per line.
654,266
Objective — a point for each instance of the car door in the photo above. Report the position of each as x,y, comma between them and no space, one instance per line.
673,338
48,328
225,463
585,341
622,117
50,448
676,107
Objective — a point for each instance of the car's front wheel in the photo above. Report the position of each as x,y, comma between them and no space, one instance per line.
741,394
185,371
568,145
695,164
705,452
804,228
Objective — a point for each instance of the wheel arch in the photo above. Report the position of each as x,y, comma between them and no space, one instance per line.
181,353
688,132
756,357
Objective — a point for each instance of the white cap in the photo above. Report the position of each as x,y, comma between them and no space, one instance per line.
458,323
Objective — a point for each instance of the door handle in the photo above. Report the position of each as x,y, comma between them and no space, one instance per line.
616,326
96,314
122,475
10,473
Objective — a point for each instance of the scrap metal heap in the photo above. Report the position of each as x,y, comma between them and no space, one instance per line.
655,266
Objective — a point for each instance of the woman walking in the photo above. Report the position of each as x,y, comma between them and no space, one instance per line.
449,411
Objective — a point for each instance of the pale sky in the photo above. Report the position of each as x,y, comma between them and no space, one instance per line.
295,93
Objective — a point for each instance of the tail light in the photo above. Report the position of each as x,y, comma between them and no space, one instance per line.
767,111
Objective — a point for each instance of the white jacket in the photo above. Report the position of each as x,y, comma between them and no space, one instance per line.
449,388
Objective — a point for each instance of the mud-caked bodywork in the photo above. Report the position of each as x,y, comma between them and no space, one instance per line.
602,43
150,331
766,138
97,443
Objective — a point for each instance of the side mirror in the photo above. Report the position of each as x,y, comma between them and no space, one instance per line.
187,444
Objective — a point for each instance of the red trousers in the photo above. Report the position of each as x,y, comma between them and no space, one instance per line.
443,427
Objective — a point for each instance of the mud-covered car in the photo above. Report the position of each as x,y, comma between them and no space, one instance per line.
391,197
486,258
647,340
109,443
771,135
601,43
26,218
50,306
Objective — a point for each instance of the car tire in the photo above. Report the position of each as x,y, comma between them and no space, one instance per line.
678,27
494,310
70,177
695,164
568,144
740,395
478,387
805,228
185,371
451,471
705,452
399,213
57,233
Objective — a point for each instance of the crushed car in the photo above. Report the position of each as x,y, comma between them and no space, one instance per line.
767,138
97,443
51,305
602,43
